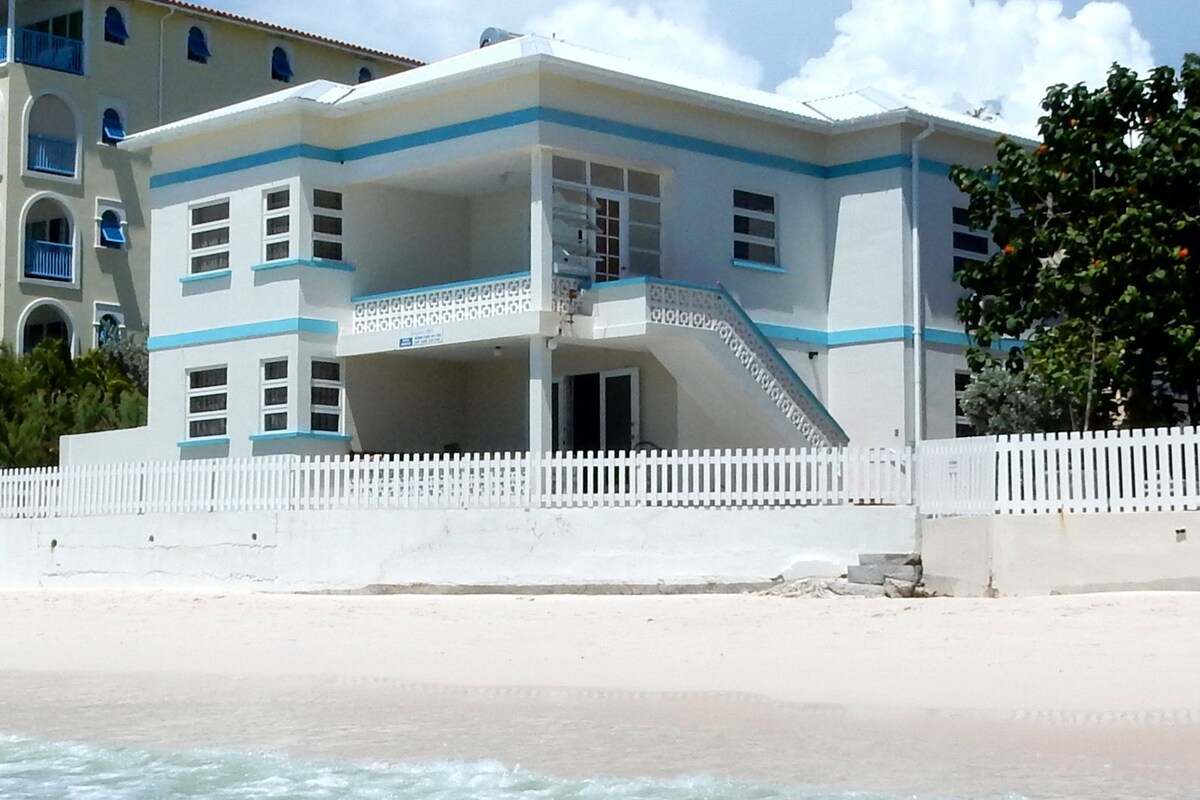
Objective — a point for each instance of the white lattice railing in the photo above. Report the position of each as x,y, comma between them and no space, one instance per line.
719,479
457,302
715,310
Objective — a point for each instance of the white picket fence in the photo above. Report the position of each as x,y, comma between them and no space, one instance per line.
718,479
1099,472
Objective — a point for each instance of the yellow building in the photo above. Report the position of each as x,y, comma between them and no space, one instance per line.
77,76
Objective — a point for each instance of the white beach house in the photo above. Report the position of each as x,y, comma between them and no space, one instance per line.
538,247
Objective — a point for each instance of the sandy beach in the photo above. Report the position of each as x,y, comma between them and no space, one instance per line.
977,697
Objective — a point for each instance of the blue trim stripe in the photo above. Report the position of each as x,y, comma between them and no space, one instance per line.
366,298
253,330
316,263
740,264
317,435
887,333
524,116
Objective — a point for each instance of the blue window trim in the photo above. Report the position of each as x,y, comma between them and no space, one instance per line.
216,274
111,235
216,441
115,31
316,435
761,267
313,263
197,45
112,128
281,65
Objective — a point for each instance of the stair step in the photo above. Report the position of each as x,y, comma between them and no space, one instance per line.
875,574
900,559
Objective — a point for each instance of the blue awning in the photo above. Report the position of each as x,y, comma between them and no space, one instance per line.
111,234
114,26
281,67
198,46
114,128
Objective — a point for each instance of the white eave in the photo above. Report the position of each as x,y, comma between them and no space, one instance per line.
852,111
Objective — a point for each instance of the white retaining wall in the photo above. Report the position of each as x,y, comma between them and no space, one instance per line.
313,550
1030,555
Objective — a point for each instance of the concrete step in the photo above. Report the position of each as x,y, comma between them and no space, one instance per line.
898,559
875,574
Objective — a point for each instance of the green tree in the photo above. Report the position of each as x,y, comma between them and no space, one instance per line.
1099,236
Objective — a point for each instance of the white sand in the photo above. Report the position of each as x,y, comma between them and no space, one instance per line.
985,696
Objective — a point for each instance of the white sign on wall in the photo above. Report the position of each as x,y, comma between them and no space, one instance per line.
421,337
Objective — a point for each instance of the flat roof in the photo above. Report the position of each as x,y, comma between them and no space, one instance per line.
850,111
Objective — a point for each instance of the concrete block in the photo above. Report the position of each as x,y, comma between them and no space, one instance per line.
906,574
898,559
870,574
847,589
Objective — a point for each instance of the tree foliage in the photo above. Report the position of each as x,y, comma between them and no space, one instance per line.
1099,237
1000,400
47,394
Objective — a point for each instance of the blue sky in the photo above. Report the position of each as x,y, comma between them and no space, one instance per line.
956,53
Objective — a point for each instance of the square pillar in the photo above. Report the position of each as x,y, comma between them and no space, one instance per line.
10,51
541,385
541,244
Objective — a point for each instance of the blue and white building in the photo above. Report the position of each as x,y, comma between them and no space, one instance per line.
537,247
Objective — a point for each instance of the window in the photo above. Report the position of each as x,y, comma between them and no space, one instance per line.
197,46
607,220
209,237
207,402
326,398
962,425
281,65
327,225
112,232
968,243
275,395
109,323
114,27
754,233
365,75
112,129
277,222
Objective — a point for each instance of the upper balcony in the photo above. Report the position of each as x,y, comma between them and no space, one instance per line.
55,43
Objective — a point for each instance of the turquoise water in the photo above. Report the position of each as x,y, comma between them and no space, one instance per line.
32,770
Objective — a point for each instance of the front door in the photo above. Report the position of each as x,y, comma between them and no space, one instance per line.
597,412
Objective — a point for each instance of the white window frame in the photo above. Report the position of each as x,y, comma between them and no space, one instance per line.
194,228
99,312
330,213
207,391
268,384
288,237
751,239
324,383
970,255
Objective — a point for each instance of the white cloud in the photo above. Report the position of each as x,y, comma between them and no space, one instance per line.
680,36
961,54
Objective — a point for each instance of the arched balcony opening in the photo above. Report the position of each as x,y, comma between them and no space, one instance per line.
53,138
49,242
44,322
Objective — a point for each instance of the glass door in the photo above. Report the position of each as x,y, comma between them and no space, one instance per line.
611,237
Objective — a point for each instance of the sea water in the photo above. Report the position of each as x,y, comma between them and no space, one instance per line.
34,770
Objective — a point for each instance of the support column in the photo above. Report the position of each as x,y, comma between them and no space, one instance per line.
10,51
541,382
541,211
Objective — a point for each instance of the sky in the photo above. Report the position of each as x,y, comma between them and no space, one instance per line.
958,54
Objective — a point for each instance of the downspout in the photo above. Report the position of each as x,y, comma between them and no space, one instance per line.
162,39
918,299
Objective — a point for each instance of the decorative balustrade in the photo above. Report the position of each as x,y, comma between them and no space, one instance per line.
713,309
458,302
48,261
47,50
52,155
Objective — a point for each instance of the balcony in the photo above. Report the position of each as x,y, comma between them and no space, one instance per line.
49,51
51,155
48,261
4,45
